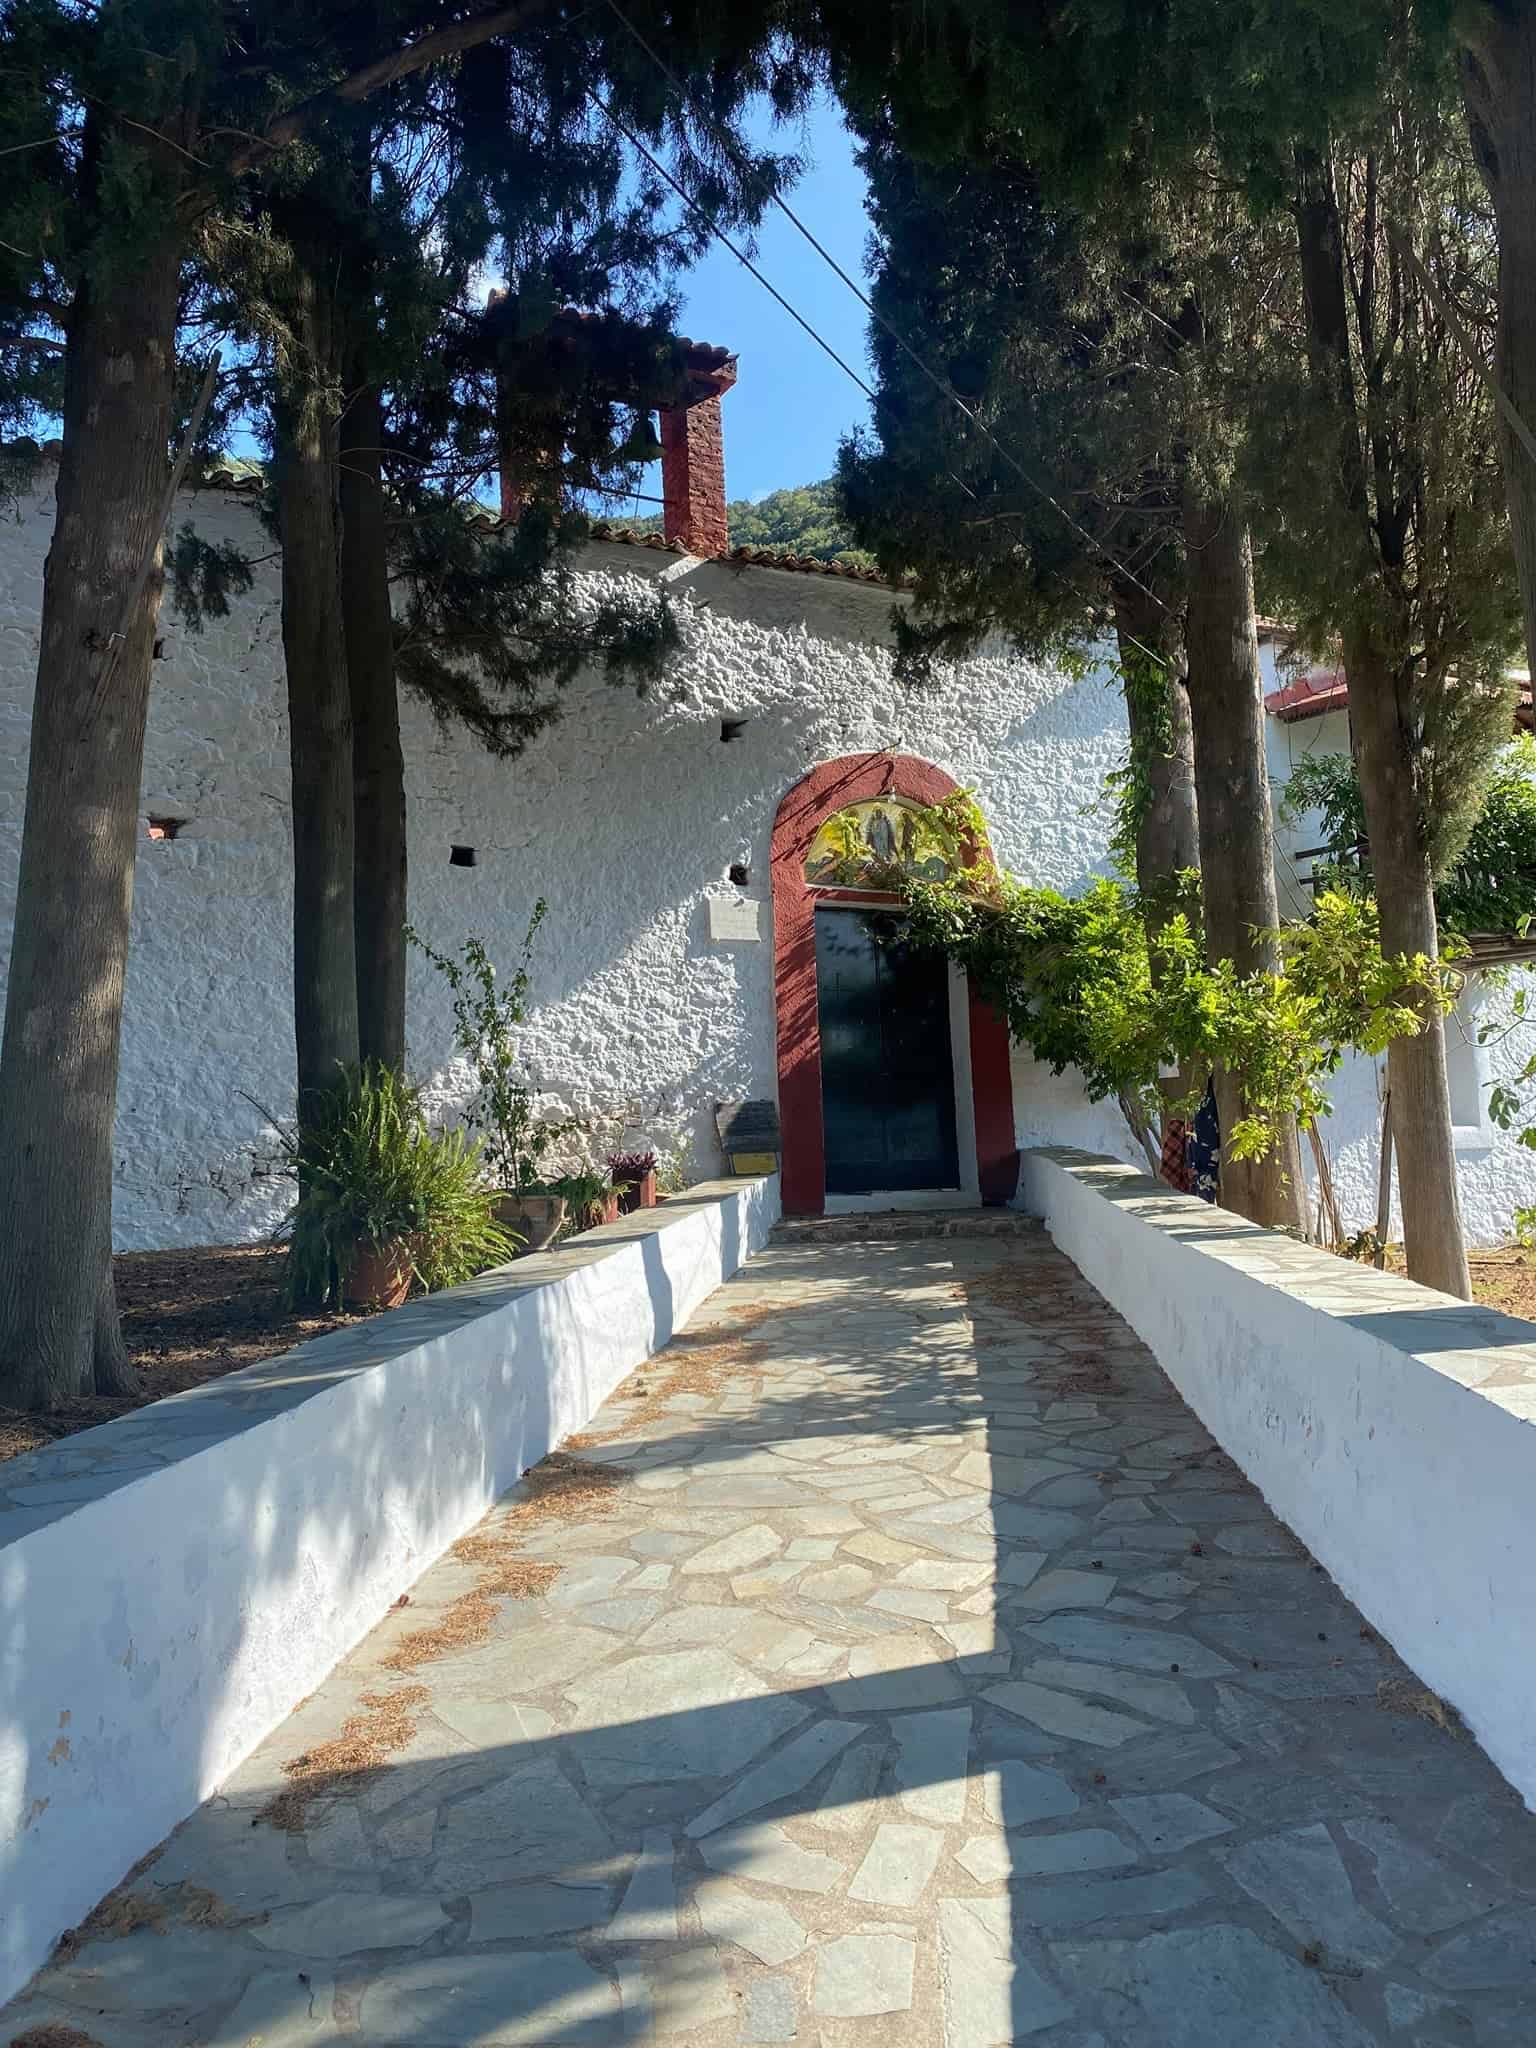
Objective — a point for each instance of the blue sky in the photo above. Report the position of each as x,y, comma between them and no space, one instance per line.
791,405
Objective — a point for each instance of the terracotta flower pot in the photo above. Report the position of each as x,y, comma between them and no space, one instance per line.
380,1275
534,1218
637,1194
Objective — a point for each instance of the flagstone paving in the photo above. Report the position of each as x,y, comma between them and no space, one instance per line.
928,1677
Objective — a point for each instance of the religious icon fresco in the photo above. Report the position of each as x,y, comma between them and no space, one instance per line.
853,845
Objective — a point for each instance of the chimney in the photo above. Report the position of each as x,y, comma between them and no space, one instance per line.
693,455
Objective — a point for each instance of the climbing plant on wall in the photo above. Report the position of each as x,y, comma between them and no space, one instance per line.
1082,984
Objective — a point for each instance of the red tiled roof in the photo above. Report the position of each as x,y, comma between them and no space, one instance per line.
710,370
1309,696
1322,690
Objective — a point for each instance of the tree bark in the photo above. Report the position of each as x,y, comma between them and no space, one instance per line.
319,707
1498,69
1383,736
1152,659
1380,731
378,764
1162,750
1237,855
64,996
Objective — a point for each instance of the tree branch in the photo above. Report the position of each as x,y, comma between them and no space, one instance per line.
1465,343
370,78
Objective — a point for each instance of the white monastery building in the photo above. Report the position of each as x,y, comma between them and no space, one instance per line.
686,960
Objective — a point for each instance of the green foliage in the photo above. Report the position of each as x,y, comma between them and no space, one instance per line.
492,628
486,1020
371,1173
672,1169
1082,984
1129,790
1019,304
805,520
1506,1098
1379,499
586,1193
1490,887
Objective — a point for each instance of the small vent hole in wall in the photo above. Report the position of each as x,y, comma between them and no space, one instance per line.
165,828
731,729
738,873
463,857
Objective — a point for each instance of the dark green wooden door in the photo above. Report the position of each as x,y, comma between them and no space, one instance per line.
887,1073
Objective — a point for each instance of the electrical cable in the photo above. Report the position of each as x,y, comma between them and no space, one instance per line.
940,383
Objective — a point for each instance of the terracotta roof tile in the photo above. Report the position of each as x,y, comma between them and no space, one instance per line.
1308,696
1323,690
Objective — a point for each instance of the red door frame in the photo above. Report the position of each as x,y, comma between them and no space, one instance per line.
857,778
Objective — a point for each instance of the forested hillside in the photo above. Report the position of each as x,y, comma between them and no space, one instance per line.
801,521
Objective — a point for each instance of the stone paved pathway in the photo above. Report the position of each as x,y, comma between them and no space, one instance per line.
927,1677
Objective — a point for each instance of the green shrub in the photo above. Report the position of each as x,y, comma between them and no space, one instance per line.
371,1172
488,1016
586,1195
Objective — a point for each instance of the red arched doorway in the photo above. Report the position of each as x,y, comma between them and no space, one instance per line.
826,790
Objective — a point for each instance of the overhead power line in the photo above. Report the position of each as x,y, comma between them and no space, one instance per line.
721,236
936,378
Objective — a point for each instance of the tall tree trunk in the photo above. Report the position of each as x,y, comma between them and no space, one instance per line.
64,997
1383,734
1498,68
319,707
1162,740
1163,759
378,765
1237,853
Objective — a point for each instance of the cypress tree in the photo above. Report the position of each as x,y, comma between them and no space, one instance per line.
131,128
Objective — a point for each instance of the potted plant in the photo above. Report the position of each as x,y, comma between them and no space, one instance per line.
384,1202
634,1175
590,1197
486,1019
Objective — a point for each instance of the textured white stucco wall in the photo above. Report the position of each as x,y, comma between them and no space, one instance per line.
1495,1173
625,816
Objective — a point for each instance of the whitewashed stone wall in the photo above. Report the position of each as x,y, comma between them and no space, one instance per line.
625,817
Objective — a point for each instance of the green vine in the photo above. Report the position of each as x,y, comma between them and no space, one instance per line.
1129,790
1491,885
1082,984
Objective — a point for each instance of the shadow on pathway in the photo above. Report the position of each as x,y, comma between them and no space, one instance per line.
929,1677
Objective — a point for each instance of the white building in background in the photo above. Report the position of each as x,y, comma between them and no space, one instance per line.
686,959
1309,715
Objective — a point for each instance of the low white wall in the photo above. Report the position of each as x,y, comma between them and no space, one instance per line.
174,1583
1391,1427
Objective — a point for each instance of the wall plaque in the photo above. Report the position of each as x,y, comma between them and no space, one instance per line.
735,918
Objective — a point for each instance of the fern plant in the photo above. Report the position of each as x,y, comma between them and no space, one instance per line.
372,1174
